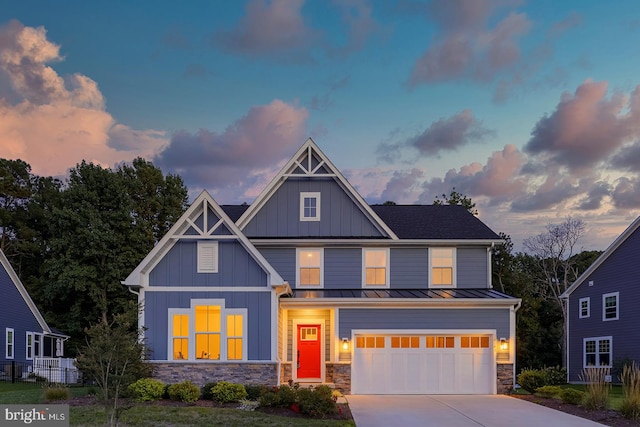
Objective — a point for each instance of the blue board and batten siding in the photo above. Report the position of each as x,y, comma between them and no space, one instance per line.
409,267
235,267
415,318
339,214
16,314
259,318
620,272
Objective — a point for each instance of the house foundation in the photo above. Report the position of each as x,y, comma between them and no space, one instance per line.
505,378
203,373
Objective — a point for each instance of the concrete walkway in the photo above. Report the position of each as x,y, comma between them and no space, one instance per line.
456,411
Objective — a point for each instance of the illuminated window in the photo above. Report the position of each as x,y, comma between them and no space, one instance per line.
309,206
370,342
474,342
442,266
235,335
180,336
375,264
309,267
440,342
405,342
207,329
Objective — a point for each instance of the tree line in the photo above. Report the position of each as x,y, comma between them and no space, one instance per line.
72,242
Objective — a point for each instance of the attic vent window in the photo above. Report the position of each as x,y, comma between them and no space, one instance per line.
309,206
207,257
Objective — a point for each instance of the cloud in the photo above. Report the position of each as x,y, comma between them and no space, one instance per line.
403,186
466,46
595,196
357,15
626,193
57,121
270,28
586,127
264,136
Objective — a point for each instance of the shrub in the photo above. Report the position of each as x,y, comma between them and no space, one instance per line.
556,375
572,396
548,391
56,392
205,391
185,391
532,379
597,396
318,402
147,390
630,407
254,391
225,392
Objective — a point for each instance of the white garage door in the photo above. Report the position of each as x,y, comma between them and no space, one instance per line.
423,364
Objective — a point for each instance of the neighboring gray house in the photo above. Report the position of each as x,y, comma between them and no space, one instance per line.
602,320
310,283
26,335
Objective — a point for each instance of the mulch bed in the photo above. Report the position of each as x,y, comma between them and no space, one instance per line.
607,417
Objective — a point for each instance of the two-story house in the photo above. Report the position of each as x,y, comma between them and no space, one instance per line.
310,283
602,307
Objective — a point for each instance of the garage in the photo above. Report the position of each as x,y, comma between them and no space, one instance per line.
442,363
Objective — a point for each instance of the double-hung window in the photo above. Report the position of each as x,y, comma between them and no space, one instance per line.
309,206
207,331
376,267
309,268
29,345
585,309
442,262
597,352
9,343
610,306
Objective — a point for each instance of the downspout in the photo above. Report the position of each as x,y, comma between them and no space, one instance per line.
489,272
286,290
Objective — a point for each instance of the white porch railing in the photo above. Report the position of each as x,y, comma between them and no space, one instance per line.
56,369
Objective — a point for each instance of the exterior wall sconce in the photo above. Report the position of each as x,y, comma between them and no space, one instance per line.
345,344
504,344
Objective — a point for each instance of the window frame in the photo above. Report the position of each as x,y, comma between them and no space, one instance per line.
205,266
581,314
9,345
453,267
321,267
191,344
387,255
597,352
309,195
29,345
604,306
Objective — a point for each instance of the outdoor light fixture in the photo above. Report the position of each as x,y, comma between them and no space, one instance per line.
345,344
504,345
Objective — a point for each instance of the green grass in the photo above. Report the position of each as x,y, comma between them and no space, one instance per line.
615,395
159,415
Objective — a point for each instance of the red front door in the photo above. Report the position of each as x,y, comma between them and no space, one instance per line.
308,354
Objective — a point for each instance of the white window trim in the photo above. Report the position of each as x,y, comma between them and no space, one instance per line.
387,268
191,311
8,344
29,346
306,195
597,340
454,272
604,298
588,301
38,351
298,250
208,266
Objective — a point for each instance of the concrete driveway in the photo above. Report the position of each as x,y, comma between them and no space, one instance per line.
456,411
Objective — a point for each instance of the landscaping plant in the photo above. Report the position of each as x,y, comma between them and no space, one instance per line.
225,392
532,379
147,390
54,392
572,396
186,391
549,391
630,407
597,395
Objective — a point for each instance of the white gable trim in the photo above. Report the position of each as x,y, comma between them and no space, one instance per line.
310,147
23,292
602,258
139,277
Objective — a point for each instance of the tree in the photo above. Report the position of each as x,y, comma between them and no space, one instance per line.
553,252
16,189
456,198
114,357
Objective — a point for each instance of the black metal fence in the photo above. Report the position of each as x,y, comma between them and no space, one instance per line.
25,372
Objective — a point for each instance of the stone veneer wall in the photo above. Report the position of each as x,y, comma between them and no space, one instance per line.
342,377
202,373
505,378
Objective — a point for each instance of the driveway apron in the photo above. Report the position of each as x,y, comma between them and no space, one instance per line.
456,411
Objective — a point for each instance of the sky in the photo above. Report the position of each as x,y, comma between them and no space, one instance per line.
531,109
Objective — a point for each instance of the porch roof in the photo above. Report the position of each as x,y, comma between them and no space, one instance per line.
481,293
